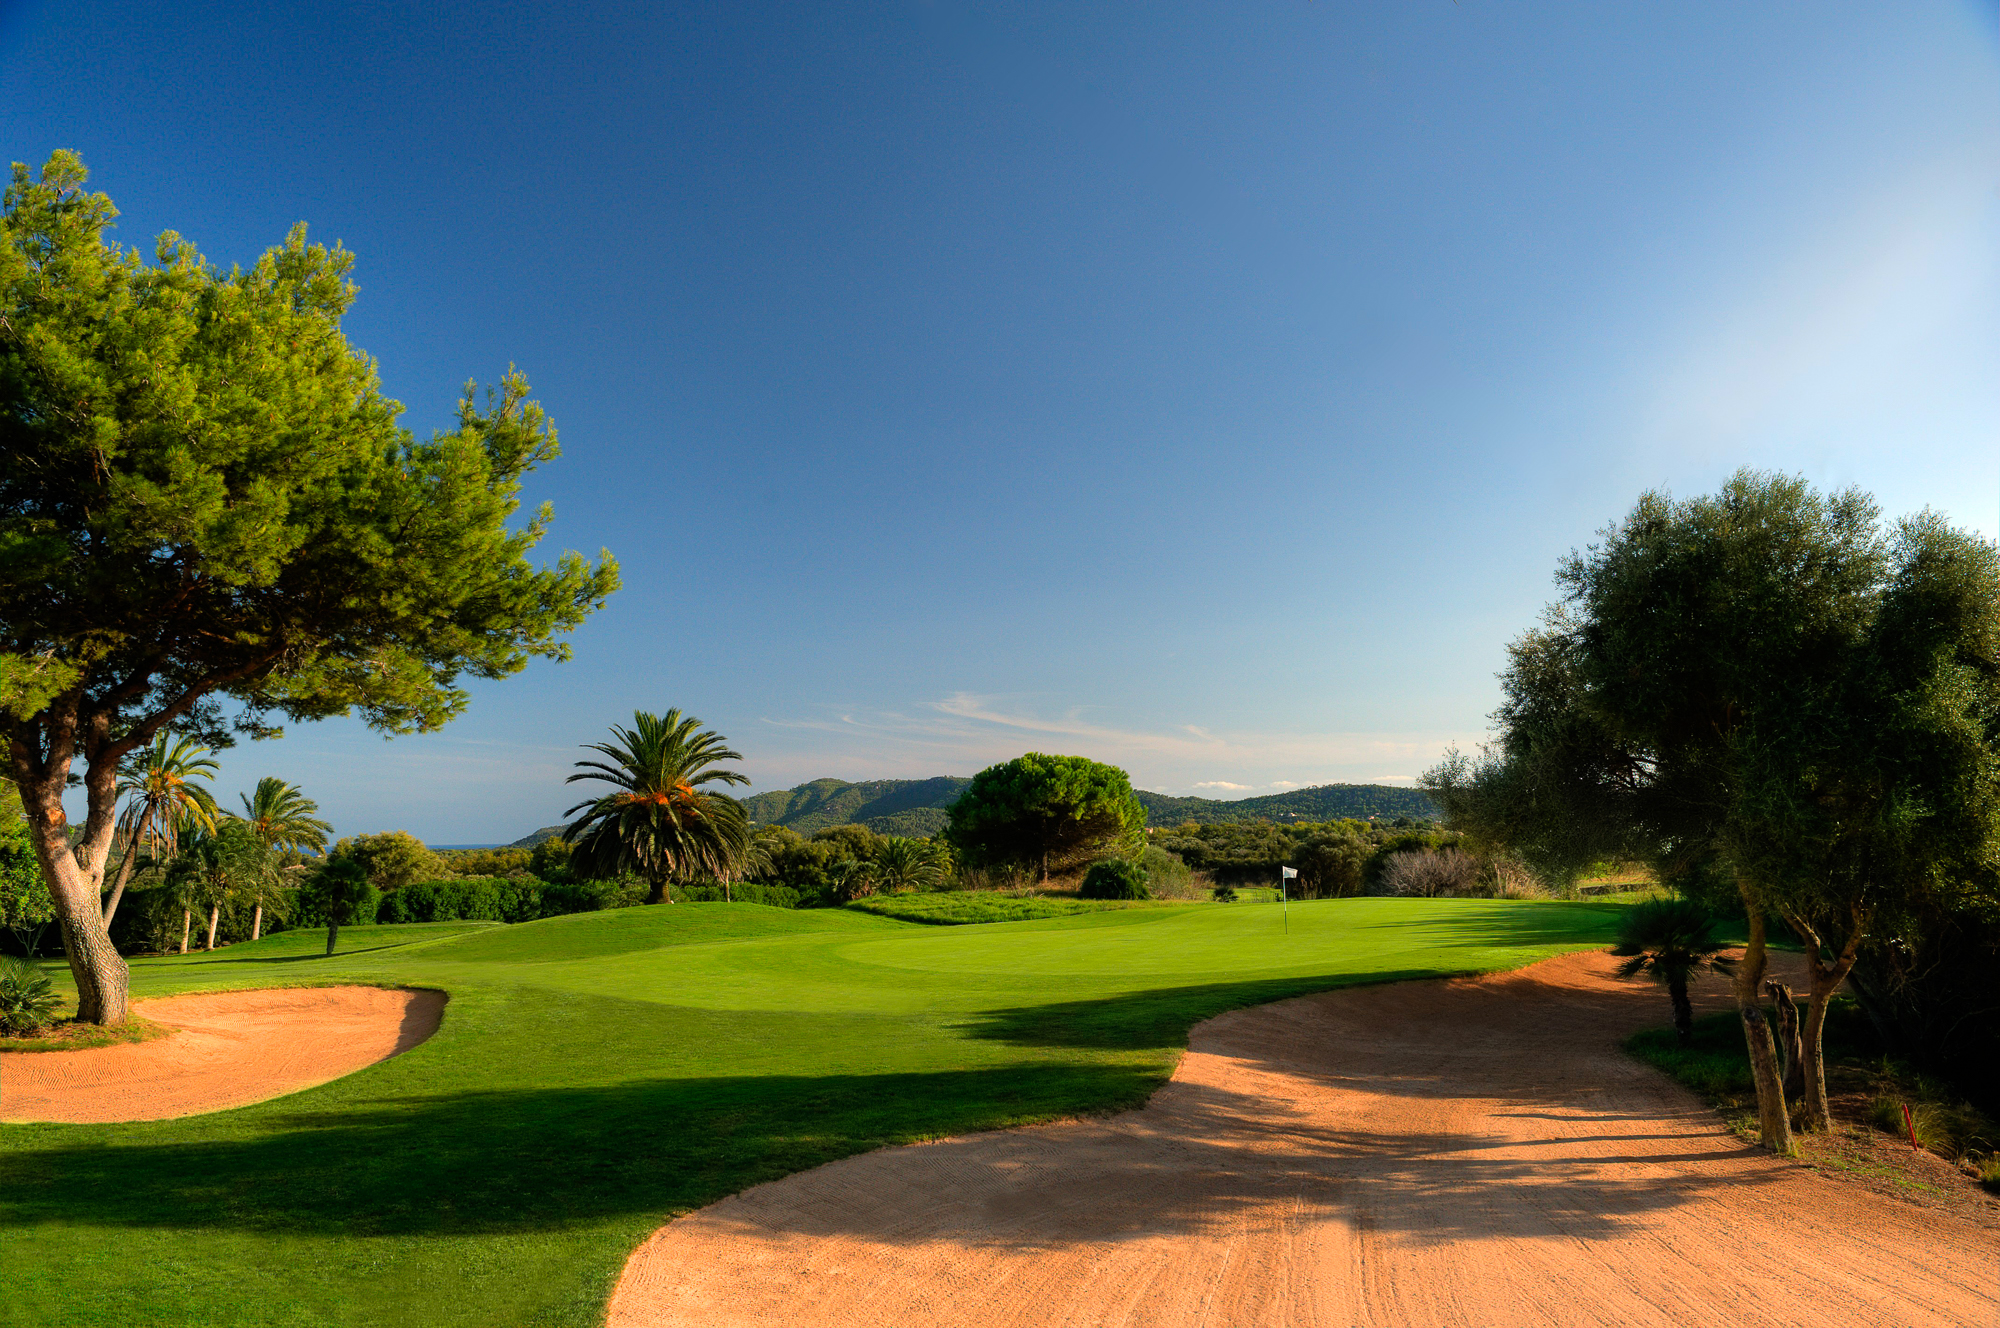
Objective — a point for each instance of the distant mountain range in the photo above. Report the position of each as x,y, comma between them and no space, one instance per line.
917,806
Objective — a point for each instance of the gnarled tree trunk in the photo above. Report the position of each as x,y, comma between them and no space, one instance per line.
1787,1011
1827,975
1774,1122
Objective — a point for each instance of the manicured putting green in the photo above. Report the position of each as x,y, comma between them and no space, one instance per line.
598,1074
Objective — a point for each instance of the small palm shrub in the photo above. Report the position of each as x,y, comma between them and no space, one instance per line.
1671,940
27,998
1114,878
1225,894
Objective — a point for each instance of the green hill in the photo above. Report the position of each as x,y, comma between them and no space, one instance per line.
826,802
1322,802
917,806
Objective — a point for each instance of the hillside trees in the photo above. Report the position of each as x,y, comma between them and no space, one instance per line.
1048,812
660,823
206,497
1761,688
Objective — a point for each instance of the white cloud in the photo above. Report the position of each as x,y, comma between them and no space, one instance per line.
1284,784
1221,784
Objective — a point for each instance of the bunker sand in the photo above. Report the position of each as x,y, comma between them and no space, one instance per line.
1473,1153
228,1049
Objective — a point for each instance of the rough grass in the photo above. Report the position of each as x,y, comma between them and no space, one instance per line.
70,1035
598,1074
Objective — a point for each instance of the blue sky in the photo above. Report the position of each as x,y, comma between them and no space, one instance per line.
1210,389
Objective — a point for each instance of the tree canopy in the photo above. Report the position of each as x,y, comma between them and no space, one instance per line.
1049,812
211,518
1766,688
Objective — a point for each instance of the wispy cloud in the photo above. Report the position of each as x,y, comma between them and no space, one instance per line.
965,731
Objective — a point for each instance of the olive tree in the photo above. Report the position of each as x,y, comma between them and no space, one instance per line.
1767,689
1046,811
211,519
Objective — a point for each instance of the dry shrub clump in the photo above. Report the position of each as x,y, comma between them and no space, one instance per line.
1422,874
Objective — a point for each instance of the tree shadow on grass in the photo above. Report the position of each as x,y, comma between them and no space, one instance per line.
514,1161
550,1160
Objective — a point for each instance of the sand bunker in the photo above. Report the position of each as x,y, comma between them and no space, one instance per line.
229,1049
1474,1153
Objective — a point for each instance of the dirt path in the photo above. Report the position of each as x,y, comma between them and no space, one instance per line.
229,1049
1474,1153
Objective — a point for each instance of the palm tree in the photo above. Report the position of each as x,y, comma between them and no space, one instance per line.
907,864
214,865
659,823
852,879
280,817
158,781
1672,940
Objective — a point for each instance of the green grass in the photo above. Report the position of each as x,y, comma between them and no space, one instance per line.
598,1074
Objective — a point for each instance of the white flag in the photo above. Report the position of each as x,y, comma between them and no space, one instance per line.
1289,872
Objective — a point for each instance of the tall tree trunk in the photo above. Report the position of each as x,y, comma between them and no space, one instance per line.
1787,1011
1677,992
1773,1121
75,874
214,916
124,871
1827,975
257,920
187,927
332,935
660,894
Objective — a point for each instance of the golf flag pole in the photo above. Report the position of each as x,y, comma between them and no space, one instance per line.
1284,896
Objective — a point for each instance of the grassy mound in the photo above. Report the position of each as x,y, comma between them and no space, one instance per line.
956,908
598,1074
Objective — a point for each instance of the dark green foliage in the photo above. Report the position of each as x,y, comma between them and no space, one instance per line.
28,1000
1225,894
1045,812
338,895
1335,859
1114,878
467,899
916,823
550,859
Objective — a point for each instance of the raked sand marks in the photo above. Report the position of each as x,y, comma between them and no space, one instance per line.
1474,1153
228,1049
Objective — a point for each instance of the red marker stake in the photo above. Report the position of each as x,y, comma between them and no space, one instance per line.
1911,1125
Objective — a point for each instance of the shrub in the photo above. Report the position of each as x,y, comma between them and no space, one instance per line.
1114,878
1424,874
1225,894
1167,876
27,998
323,894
